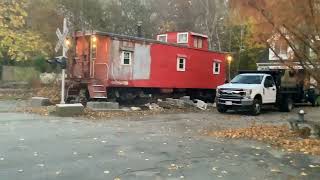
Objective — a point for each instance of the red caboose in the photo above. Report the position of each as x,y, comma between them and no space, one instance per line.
114,66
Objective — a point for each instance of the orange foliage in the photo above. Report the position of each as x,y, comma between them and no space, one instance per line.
298,16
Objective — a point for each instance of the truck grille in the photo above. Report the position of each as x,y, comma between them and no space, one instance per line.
232,93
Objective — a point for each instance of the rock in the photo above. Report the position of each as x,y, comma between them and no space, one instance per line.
169,99
103,106
40,101
211,106
169,103
153,107
165,104
201,104
69,110
179,103
185,98
135,108
189,103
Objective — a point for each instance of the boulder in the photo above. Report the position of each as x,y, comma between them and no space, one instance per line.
69,110
170,103
165,104
201,104
185,98
153,107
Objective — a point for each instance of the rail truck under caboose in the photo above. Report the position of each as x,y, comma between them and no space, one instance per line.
106,66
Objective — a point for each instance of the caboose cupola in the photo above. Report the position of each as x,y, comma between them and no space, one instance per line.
189,39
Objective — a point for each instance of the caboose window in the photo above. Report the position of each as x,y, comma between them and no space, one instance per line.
126,57
182,38
197,42
93,47
216,67
163,38
181,64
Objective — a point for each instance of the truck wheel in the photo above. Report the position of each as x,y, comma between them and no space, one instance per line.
222,108
256,107
286,104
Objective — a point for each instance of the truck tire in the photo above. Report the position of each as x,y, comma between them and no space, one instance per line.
222,108
256,107
286,104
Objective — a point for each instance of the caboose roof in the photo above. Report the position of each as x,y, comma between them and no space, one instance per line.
133,38
192,33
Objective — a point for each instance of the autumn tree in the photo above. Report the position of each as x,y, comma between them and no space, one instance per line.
16,42
295,22
43,19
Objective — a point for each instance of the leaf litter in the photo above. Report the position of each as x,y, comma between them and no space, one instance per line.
279,136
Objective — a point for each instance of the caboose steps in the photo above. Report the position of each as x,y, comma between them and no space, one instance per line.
97,90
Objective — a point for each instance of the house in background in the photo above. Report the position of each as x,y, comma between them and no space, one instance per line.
281,55
277,56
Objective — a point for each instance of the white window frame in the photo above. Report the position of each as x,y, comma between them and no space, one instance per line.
215,65
162,35
122,58
179,40
184,64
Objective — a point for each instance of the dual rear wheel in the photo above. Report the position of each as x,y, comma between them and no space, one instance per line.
287,104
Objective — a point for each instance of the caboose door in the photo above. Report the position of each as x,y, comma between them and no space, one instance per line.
93,55
81,64
87,58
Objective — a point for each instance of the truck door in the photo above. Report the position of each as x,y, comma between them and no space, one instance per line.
269,91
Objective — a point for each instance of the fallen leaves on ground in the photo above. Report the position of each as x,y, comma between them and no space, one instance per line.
49,91
280,136
14,94
94,115
52,92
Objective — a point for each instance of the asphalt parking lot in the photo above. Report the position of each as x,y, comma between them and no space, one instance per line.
164,146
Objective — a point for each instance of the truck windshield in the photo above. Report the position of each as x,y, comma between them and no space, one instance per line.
247,79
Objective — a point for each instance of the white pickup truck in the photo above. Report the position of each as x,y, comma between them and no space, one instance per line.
252,90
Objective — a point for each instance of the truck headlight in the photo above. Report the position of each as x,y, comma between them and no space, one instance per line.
248,93
218,92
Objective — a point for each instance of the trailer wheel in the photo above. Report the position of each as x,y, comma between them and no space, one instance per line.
286,104
222,108
256,107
